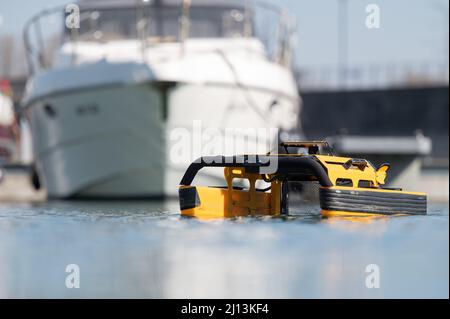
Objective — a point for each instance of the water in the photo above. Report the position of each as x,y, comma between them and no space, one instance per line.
146,250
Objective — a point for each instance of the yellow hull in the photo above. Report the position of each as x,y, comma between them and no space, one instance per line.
348,186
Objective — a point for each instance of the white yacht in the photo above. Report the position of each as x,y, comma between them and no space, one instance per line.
121,105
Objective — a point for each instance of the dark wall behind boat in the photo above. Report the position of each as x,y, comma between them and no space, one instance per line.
388,112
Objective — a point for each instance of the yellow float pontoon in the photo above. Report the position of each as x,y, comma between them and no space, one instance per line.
348,186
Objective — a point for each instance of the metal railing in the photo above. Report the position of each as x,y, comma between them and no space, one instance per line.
41,45
372,76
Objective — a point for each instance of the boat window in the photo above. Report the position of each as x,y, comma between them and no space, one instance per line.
160,23
216,23
107,25
344,182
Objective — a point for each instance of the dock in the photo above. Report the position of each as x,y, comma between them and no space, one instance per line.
16,186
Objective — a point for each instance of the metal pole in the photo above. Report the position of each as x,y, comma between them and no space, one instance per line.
248,19
142,24
184,24
342,43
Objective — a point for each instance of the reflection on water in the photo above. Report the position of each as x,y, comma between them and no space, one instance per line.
146,250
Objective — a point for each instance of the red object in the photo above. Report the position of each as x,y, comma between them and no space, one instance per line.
5,87
6,132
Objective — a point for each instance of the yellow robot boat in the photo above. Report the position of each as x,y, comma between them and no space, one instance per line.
348,186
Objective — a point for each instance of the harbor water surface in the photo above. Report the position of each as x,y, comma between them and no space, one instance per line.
146,250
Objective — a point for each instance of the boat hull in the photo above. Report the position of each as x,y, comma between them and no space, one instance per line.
101,142
117,141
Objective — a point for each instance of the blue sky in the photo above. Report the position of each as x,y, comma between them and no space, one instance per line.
412,31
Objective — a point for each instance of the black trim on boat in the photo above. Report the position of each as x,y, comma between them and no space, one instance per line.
301,168
372,202
188,198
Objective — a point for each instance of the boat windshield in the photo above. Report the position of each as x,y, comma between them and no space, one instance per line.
160,24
